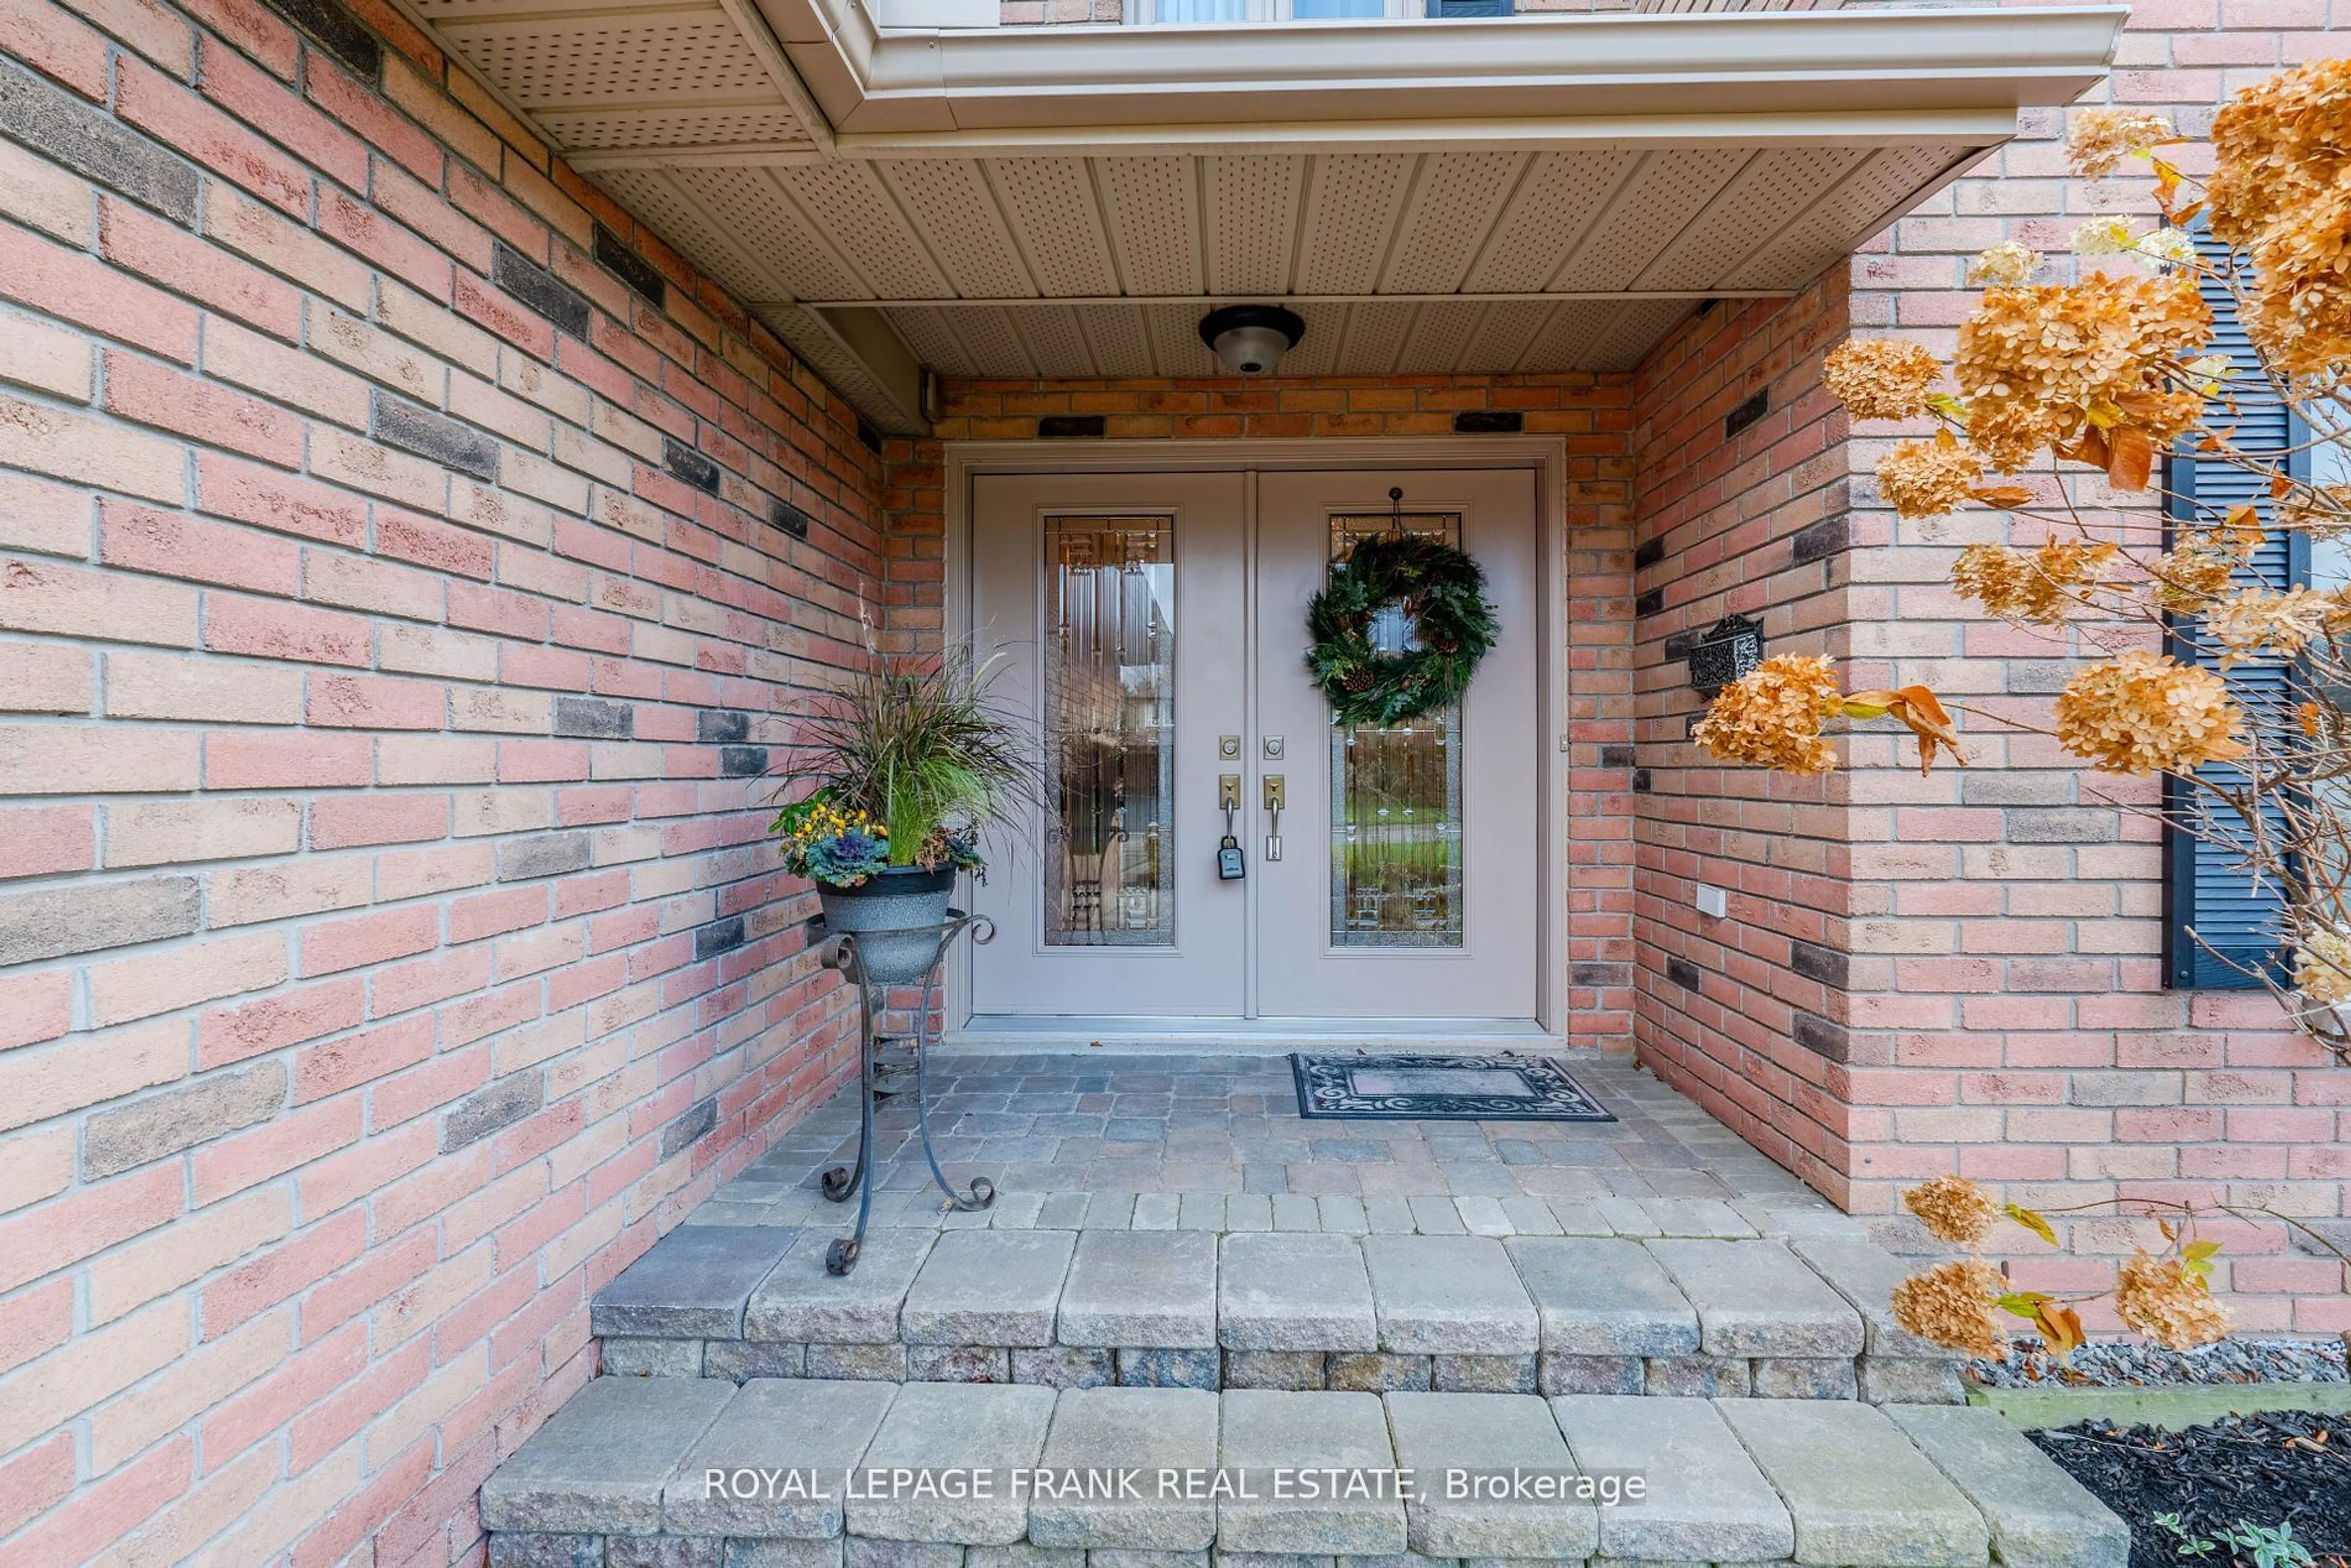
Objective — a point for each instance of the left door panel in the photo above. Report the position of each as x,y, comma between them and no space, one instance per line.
1117,603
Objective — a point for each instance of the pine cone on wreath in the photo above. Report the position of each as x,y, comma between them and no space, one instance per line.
1358,679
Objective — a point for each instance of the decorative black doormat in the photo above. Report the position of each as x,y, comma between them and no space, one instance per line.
1440,1089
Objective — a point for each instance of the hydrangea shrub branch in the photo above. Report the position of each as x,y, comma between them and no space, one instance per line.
2108,372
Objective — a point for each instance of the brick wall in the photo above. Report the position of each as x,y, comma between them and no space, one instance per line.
2014,925
394,604
1594,416
1740,502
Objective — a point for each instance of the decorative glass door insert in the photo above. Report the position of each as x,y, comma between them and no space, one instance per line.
1109,601
1396,790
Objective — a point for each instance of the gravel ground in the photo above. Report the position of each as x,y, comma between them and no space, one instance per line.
2134,1363
2285,1467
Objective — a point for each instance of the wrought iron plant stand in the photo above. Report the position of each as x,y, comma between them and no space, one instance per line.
842,1181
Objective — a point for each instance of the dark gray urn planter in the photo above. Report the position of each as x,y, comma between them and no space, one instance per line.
895,915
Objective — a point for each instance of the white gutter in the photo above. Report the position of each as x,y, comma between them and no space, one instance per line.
1679,75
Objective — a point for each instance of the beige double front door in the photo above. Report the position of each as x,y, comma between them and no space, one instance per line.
1153,629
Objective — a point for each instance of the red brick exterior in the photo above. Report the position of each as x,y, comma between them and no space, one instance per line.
387,950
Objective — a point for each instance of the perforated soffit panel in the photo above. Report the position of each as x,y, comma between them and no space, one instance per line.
1402,257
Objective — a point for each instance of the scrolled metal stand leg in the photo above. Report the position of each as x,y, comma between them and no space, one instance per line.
839,1182
983,1191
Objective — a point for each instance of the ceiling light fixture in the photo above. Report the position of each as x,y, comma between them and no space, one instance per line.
1251,339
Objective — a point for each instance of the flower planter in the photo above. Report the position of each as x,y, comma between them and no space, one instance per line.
895,915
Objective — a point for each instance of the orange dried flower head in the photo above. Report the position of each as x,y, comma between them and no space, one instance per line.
2280,193
2167,1302
1772,716
1880,378
1953,1304
2322,511
2040,366
2197,571
2099,139
1927,478
2144,712
2030,585
2254,622
2322,966
1954,1209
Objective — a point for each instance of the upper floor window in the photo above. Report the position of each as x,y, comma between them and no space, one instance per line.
1203,12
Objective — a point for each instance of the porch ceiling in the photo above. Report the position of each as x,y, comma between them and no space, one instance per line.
1541,194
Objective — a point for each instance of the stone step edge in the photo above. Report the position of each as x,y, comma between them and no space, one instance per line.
1876,1380
1751,1481
1034,1290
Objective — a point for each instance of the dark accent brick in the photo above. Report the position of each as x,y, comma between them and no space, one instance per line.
1815,962
1824,538
543,854
1649,554
44,116
1684,973
1489,422
789,518
1822,1038
1642,781
2058,825
123,1137
2038,677
1616,755
486,1110
1071,427
436,436
1650,603
718,936
642,277
1678,646
339,32
868,437
540,289
1600,974
695,1123
595,718
689,465
1747,412
718,726
93,916
2006,788
742,761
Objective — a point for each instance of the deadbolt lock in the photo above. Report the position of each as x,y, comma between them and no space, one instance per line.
1273,747
1228,748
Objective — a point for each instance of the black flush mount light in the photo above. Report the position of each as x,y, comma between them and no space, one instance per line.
1251,339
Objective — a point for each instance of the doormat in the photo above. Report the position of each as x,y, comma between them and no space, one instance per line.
1441,1088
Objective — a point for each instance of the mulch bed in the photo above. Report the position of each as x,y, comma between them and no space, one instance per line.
2279,1467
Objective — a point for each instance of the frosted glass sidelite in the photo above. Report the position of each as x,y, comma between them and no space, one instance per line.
1395,794
1110,731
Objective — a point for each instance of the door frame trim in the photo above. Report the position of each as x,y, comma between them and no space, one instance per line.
1546,455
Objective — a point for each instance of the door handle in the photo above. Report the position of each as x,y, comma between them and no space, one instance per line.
1276,796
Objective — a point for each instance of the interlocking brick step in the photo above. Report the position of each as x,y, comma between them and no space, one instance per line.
1803,1318
619,1479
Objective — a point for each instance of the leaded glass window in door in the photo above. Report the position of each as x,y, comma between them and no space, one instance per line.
1110,731
1396,792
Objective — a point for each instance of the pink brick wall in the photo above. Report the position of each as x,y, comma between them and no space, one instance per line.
387,948
2015,909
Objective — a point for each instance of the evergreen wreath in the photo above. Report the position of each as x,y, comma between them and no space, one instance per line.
1443,593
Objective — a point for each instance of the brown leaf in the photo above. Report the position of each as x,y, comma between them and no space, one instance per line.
2131,458
2060,1326
2002,495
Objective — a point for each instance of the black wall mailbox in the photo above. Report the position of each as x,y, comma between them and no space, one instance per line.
1724,652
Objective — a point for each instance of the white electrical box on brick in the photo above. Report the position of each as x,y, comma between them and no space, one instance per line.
1713,900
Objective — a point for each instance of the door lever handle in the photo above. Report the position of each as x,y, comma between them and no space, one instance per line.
1276,796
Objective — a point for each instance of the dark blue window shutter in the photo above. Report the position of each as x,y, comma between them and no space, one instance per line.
2207,888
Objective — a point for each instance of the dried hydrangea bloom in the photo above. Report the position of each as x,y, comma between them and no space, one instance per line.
2195,573
2254,622
2030,585
1880,378
2099,139
2144,712
2050,359
1954,1209
2169,1303
2322,967
1772,714
2321,511
1954,1304
2109,235
2008,264
2279,193
1927,478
